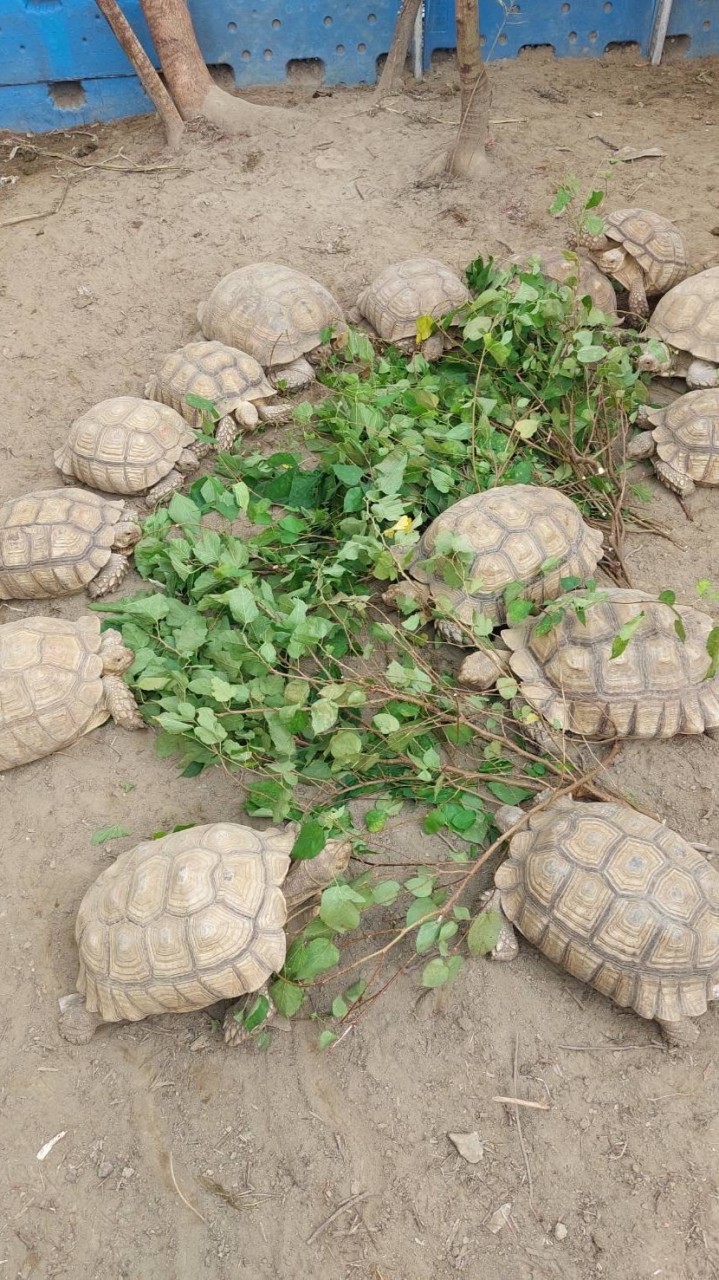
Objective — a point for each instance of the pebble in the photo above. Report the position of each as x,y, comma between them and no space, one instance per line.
104,1169
560,1231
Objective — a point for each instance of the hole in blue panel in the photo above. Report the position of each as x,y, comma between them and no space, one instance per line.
592,37
223,75
267,55
565,8
232,26
501,39
340,49
572,37
623,48
527,50
361,48
706,24
67,95
482,41
245,55
327,21
308,71
276,23
371,17
677,46
607,8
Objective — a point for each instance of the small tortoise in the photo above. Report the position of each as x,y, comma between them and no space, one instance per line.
642,250
620,902
656,688
57,541
683,442
58,681
511,534
276,314
233,381
128,445
686,324
575,269
179,923
402,293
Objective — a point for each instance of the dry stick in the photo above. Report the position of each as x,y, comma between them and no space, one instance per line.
184,1199
394,66
346,1204
521,1102
530,1185
30,217
151,82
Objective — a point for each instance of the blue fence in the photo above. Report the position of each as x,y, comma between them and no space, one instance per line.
61,65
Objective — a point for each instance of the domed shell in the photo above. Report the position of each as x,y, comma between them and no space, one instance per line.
688,316
575,267
274,313
214,372
178,923
513,531
404,291
54,542
50,686
686,435
656,688
619,901
655,244
124,445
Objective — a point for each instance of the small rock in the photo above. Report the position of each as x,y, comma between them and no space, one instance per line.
500,1218
469,1146
128,1172
560,1231
104,1169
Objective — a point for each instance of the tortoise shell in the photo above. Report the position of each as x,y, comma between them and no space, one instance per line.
656,688
274,313
124,445
178,923
654,243
512,532
619,901
404,291
211,370
54,542
573,267
50,686
686,435
687,317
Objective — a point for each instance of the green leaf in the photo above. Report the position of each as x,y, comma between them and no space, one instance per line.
562,199
508,794
427,935
712,647
108,833
304,963
593,199
183,511
311,840
256,1013
420,886
286,997
507,687
438,972
484,932
323,715
624,635
242,606
340,1008
338,908
667,597
527,427
385,893
385,723
325,1039
425,326
345,746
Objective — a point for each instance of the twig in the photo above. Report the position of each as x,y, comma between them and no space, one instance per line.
96,164
30,217
346,1204
522,1102
601,1048
184,1199
530,1185
151,82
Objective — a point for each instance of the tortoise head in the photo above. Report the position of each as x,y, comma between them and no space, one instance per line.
116,657
655,358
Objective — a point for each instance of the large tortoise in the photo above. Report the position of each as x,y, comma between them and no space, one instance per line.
644,251
685,329
58,681
57,541
683,441
575,269
276,314
232,380
517,533
620,902
128,445
405,291
179,923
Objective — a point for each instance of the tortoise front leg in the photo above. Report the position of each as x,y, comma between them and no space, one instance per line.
109,578
634,277
120,703
679,1034
293,376
169,483
595,244
273,412
506,947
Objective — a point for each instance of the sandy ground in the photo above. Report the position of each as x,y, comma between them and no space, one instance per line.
266,1147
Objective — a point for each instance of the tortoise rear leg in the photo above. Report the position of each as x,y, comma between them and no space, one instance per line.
76,1024
433,347
682,485
506,947
679,1034
293,376
109,578
168,485
700,374
234,1029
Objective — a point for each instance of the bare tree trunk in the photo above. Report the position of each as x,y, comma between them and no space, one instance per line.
397,56
467,157
151,82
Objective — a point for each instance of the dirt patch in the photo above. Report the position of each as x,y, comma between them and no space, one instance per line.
266,1147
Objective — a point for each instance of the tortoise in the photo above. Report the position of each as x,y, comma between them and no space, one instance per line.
683,442
617,900
58,681
685,329
276,314
233,381
57,541
644,251
657,687
517,533
402,293
575,269
179,923
128,445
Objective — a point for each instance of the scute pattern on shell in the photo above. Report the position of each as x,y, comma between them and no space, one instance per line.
556,264
50,686
654,242
54,542
273,312
407,290
619,901
124,445
655,689
688,316
686,435
178,923
211,370
514,531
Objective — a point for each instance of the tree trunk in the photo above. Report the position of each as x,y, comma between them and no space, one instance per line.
147,75
397,56
467,157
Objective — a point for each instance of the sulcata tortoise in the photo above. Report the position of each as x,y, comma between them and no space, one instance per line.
233,381
179,923
128,445
620,902
642,250
575,269
683,441
276,314
685,329
58,681
404,292
57,541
